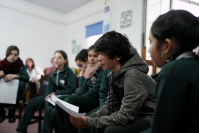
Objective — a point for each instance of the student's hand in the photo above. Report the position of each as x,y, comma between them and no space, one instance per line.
79,122
35,79
48,96
2,74
9,77
83,68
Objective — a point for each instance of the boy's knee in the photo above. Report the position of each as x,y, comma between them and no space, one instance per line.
110,129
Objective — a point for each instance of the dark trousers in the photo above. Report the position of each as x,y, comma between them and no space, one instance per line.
137,126
32,106
85,105
50,121
20,91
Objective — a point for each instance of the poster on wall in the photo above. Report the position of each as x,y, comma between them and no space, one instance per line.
78,49
73,46
126,18
106,21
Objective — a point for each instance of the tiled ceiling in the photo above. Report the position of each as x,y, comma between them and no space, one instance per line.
63,6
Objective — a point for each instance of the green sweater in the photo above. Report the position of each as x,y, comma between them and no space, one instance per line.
90,87
62,83
177,96
103,92
23,75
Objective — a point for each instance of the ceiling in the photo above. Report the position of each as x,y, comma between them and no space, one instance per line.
63,6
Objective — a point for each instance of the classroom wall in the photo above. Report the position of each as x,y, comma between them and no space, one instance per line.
37,31
134,32
77,21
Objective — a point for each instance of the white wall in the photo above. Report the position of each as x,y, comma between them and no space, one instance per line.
77,21
134,32
37,31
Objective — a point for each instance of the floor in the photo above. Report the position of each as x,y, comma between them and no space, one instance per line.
6,127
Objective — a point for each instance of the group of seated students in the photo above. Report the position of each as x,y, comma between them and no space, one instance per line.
115,90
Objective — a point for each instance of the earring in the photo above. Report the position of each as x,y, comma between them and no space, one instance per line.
164,59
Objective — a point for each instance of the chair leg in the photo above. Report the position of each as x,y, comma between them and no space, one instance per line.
20,111
40,121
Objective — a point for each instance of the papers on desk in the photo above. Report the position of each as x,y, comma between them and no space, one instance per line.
69,108
8,91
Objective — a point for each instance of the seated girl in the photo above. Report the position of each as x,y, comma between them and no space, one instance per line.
34,73
11,68
86,96
62,81
173,36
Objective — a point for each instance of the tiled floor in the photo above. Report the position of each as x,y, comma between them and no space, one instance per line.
6,127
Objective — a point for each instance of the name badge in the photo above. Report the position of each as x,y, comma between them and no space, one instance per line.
62,82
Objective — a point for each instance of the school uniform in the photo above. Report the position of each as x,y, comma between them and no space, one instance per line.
103,92
61,83
86,98
23,78
177,96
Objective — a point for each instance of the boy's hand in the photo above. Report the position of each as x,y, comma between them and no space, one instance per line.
79,122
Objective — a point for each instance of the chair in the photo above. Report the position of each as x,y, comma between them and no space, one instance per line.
36,119
149,62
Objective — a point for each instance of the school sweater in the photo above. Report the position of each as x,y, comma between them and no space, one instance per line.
63,82
23,75
103,92
131,96
90,87
177,97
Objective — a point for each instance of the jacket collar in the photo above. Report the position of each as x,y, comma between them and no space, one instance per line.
65,69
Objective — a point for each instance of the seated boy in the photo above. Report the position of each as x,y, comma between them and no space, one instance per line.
131,100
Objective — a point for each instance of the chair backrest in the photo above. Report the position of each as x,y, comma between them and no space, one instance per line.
45,70
42,79
149,62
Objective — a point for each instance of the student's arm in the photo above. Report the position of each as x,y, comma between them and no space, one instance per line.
82,89
51,87
134,96
81,80
71,84
23,75
171,113
39,72
94,91
103,92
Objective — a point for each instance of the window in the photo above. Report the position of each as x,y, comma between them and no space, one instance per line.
93,33
154,8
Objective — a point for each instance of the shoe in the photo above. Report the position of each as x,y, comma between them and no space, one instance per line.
11,116
2,116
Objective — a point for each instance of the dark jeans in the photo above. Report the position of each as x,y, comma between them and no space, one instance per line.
45,85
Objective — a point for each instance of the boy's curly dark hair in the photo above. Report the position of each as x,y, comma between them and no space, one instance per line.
114,44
